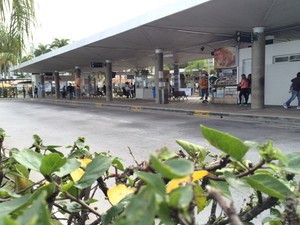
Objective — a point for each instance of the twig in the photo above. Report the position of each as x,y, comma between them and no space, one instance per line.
255,211
82,203
228,209
213,210
130,152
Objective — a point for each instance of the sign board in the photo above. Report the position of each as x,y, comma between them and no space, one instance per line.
241,36
96,64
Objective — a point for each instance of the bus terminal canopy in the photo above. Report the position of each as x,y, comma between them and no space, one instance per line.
185,31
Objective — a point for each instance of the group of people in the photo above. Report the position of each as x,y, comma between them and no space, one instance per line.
129,90
31,95
244,88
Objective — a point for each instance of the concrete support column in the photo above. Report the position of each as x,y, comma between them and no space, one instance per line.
158,72
57,84
77,73
258,69
176,77
108,80
42,85
89,80
95,85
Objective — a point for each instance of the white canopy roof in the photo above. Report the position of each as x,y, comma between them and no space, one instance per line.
190,30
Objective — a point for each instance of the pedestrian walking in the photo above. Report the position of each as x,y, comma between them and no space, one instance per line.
295,90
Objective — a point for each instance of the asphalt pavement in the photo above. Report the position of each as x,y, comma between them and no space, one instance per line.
191,106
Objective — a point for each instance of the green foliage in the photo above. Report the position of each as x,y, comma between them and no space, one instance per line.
77,184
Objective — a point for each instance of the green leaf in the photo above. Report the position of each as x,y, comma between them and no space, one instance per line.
181,197
227,143
25,200
6,220
154,181
37,212
164,213
268,185
52,148
174,168
117,163
37,138
51,163
94,170
237,184
293,164
165,154
68,167
73,207
67,186
4,193
193,149
200,198
272,219
113,212
141,210
22,170
10,206
222,187
29,158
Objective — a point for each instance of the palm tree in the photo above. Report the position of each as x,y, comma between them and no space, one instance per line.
18,17
9,49
41,49
58,43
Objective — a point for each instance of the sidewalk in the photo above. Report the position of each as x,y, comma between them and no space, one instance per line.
192,106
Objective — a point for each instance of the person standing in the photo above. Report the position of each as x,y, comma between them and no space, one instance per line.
70,90
36,92
249,84
24,92
203,84
244,90
295,90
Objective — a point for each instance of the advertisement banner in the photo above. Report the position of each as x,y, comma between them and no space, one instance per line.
225,57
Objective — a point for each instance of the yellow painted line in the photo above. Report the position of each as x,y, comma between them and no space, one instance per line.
201,113
73,103
136,108
98,105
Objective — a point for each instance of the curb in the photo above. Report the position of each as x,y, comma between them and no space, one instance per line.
200,113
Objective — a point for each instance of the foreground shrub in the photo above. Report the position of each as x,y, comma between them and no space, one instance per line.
171,188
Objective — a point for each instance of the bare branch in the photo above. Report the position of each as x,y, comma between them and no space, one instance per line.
228,209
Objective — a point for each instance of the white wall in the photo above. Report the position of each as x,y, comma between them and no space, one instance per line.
277,76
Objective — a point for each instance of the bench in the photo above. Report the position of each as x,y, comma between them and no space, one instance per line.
97,94
179,95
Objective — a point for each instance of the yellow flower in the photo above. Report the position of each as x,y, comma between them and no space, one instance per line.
117,193
175,183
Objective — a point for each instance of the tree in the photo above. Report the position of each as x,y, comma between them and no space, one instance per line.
18,17
196,65
9,49
41,49
58,43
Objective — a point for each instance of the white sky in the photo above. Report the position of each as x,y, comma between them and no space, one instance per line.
78,19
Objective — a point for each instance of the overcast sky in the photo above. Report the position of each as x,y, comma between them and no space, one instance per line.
78,19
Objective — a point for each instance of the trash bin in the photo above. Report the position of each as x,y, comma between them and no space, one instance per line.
153,92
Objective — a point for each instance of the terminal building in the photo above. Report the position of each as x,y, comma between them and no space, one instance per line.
257,37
